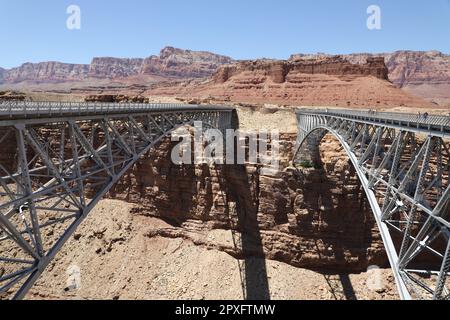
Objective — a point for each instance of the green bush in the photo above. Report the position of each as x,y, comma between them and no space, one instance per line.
306,164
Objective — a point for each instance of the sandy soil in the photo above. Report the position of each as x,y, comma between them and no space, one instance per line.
306,89
118,260
268,118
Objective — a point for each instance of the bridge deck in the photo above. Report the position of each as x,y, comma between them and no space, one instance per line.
439,125
10,111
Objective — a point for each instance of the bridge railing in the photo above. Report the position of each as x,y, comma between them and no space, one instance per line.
12,109
442,123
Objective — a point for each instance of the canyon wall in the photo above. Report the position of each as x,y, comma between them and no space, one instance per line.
279,70
325,81
423,73
111,68
170,63
46,72
310,218
183,63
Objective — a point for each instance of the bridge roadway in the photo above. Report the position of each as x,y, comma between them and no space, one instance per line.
438,125
39,112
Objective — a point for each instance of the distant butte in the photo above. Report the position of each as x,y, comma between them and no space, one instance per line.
353,79
322,81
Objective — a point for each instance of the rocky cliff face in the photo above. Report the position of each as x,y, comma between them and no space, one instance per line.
423,73
426,74
279,70
302,79
319,81
413,67
110,68
311,218
46,72
170,63
408,67
184,63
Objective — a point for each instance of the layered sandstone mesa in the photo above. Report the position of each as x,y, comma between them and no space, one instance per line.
423,73
183,63
46,72
338,66
320,81
110,68
278,70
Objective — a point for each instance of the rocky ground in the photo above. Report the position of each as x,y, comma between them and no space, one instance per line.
119,259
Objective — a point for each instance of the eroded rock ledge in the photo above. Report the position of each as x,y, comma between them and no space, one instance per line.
309,218
281,71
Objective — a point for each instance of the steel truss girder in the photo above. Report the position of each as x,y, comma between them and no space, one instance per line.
63,168
405,174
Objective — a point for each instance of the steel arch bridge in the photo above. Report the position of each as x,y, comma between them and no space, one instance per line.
59,159
403,163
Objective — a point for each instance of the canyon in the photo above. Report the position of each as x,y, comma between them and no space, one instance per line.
296,216
202,231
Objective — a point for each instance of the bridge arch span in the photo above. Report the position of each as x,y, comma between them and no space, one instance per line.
403,164
63,158
306,155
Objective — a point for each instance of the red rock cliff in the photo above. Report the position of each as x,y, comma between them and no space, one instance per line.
279,70
423,73
171,62
308,218
46,72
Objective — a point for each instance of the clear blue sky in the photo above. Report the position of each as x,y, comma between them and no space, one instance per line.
36,30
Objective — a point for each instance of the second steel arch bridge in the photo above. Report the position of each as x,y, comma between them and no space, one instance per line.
403,163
